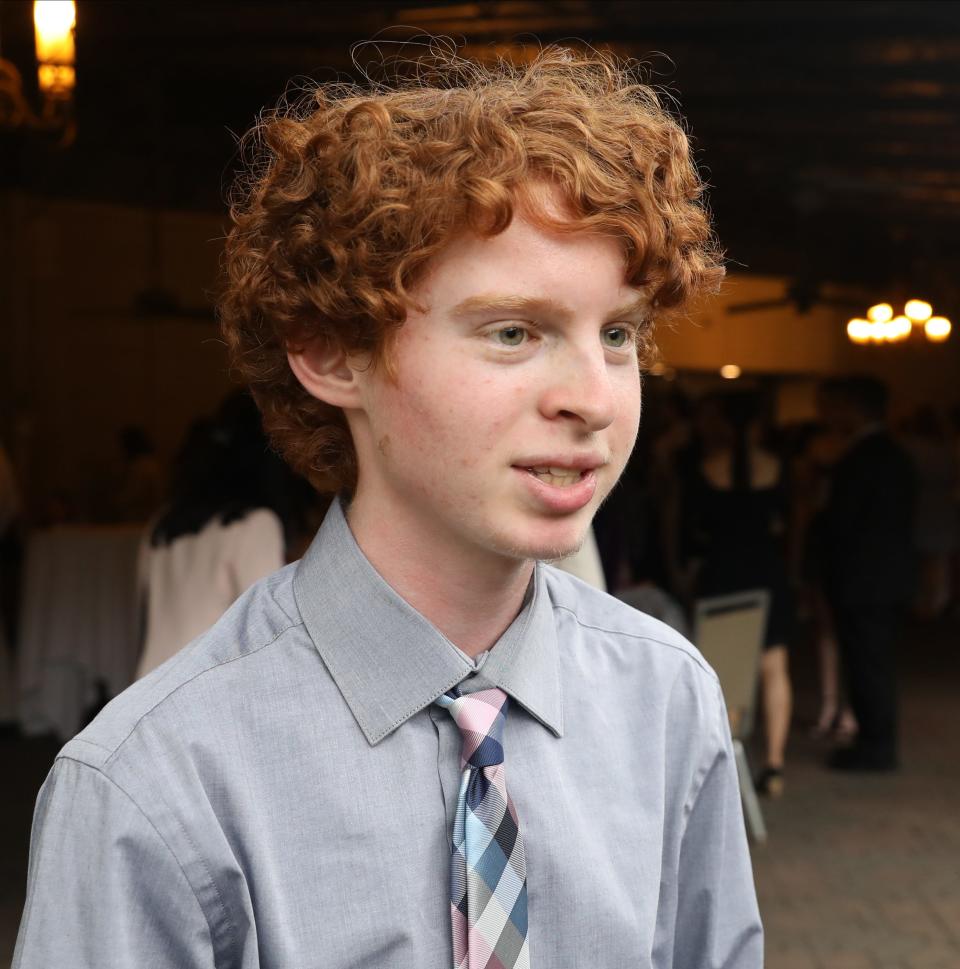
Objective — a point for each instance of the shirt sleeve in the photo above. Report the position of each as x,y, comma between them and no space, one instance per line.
103,889
718,921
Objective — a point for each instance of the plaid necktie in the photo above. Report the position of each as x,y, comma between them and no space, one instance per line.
488,873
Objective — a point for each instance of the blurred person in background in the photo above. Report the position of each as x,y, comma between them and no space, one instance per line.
677,485
219,533
736,517
934,456
820,449
667,436
867,563
139,489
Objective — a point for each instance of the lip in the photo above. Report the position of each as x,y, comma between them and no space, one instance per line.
555,499
583,462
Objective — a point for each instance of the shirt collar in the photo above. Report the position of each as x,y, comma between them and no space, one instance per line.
390,662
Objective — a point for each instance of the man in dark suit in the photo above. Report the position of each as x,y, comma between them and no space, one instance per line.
868,563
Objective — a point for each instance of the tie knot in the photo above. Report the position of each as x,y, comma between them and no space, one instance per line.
481,717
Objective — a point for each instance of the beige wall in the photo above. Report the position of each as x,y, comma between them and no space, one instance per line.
78,362
782,341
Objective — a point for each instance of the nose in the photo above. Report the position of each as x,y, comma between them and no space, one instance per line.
580,389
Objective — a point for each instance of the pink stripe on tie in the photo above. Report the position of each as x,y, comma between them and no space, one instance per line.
479,712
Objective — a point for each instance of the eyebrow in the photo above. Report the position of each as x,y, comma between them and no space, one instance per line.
475,305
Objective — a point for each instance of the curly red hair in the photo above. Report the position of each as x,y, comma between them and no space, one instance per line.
352,192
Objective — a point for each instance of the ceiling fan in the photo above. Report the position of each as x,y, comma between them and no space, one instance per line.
802,293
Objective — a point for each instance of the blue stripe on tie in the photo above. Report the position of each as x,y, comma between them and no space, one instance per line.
519,914
478,835
477,788
508,888
490,865
489,753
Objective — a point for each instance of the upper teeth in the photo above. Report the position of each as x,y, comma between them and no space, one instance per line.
559,477
557,472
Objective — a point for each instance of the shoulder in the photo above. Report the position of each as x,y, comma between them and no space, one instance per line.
647,676
606,624
258,523
261,518
175,702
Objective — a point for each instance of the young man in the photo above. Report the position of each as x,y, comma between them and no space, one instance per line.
420,746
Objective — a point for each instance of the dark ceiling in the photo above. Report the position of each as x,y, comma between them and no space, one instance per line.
828,131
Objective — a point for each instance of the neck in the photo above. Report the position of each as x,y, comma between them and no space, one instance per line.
470,597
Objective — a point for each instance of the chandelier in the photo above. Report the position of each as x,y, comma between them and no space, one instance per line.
882,326
54,26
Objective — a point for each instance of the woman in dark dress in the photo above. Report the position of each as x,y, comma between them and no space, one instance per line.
737,514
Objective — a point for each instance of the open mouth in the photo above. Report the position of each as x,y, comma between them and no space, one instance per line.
557,477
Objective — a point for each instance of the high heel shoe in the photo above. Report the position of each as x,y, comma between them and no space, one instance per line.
769,782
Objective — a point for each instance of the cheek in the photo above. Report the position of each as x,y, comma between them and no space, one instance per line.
436,421
472,411
628,418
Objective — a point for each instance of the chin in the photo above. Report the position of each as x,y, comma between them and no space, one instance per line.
554,541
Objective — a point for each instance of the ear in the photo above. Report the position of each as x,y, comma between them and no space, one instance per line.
325,372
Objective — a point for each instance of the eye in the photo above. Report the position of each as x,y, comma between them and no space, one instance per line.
511,336
616,336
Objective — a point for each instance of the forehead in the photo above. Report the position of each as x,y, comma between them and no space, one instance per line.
574,271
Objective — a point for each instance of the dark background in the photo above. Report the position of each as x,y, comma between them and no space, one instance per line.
828,130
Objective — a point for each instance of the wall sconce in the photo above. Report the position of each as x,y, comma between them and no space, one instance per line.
54,27
54,22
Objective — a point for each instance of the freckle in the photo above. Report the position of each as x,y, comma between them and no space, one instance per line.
383,444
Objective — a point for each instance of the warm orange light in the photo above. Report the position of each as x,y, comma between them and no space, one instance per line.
937,329
880,313
899,328
918,310
859,331
54,22
730,371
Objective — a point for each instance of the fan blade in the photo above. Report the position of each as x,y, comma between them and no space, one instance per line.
762,304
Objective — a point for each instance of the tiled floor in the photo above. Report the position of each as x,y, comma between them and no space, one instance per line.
860,872
864,871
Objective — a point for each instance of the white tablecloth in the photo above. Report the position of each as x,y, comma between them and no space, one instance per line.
79,623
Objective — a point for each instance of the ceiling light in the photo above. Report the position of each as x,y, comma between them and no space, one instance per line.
859,331
937,329
882,326
899,328
918,310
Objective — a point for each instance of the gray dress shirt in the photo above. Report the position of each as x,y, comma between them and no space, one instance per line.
280,794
